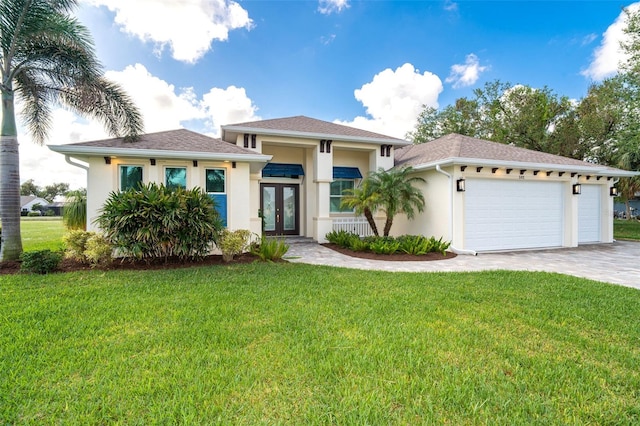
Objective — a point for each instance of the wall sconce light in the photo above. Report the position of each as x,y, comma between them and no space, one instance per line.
107,160
152,161
233,164
460,186
577,189
195,163
329,146
322,141
613,191
494,170
253,141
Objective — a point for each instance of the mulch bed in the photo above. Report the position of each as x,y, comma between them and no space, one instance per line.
396,257
69,265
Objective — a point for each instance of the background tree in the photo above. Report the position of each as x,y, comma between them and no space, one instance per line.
74,212
29,188
47,58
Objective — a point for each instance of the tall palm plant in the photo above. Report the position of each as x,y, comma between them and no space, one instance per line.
397,193
47,58
364,200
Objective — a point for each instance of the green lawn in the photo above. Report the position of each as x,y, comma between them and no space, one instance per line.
300,344
626,229
39,233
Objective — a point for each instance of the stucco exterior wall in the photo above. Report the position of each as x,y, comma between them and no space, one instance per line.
434,220
242,212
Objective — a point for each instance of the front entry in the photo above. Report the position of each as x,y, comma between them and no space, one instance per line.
279,205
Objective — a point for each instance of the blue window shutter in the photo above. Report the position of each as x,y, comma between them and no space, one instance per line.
221,206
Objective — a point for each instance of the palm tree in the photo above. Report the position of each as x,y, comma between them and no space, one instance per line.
47,58
397,193
364,200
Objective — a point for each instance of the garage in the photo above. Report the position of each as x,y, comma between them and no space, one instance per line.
589,220
504,214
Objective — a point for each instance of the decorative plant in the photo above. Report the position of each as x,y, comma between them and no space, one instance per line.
269,249
40,261
74,212
233,242
154,221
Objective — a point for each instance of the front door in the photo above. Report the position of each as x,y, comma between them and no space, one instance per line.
279,205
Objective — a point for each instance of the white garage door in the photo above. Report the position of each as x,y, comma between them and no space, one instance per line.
589,214
513,214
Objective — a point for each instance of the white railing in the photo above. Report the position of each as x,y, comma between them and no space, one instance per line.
357,225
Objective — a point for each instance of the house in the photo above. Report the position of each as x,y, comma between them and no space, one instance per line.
27,202
288,175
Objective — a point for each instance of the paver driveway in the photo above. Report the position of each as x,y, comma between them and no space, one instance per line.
617,263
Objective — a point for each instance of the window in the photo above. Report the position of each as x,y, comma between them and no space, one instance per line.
337,188
175,177
130,177
215,181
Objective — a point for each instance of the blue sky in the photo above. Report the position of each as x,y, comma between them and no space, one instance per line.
200,64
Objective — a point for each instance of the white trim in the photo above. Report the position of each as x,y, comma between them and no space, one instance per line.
314,135
157,153
476,162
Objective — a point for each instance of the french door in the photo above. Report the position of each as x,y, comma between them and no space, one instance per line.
280,208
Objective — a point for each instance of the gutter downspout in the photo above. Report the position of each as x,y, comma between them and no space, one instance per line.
453,249
82,166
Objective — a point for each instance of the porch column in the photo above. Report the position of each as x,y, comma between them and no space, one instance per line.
323,176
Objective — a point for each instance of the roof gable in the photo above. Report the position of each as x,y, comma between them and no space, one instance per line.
310,127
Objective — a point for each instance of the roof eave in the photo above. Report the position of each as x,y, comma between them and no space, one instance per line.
158,153
479,162
313,135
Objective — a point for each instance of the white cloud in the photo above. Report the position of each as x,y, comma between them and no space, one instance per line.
163,107
228,106
608,56
464,75
394,99
328,7
187,26
450,6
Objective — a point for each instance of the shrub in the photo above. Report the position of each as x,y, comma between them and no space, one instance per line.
154,221
76,244
34,214
233,243
269,249
40,261
384,245
98,250
74,213
341,238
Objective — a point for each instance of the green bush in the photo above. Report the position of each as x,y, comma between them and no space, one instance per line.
34,214
40,261
233,242
341,238
74,213
76,244
98,250
384,245
269,249
154,221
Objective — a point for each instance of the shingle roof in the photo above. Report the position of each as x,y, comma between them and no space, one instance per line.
454,146
311,126
171,140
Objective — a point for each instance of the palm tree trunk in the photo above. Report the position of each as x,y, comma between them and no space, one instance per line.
372,223
387,225
11,242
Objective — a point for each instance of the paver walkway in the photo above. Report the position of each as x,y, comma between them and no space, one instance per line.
617,263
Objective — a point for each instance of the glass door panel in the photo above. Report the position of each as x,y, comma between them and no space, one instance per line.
269,208
289,208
